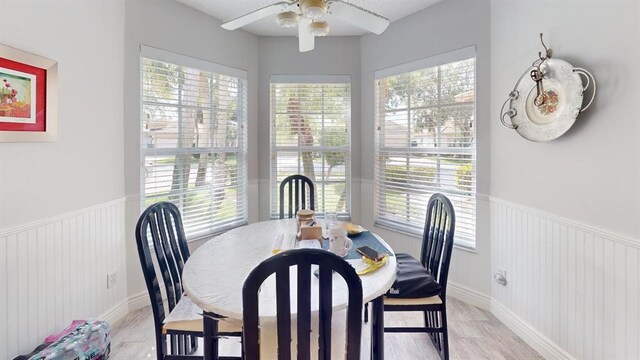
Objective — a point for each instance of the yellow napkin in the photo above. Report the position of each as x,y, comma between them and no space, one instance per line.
373,265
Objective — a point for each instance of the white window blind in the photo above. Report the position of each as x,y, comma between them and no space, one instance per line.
310,135
194,141
426,143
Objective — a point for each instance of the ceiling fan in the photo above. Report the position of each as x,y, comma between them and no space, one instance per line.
308,14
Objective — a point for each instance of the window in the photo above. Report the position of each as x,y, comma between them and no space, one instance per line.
310,135
425,143
194,140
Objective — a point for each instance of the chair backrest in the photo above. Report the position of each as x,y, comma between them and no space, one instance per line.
437,239
162,221
303,259
297,190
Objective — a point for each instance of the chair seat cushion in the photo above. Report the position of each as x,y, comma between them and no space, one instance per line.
432,300
187,316
412,280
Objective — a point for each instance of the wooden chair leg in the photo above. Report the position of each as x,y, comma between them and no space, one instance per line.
377,328
210,325
432,324
366,313
161,346
194,344
445,335
427,323
241,347
437,322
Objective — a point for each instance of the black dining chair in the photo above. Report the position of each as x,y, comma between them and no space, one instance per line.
160,230
296,187
302,258
435,256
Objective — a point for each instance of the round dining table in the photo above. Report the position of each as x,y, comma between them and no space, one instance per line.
214,275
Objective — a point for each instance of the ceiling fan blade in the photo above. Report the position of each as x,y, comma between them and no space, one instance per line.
359,17
305,39
257,15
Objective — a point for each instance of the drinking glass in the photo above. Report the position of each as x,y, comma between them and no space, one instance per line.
330,220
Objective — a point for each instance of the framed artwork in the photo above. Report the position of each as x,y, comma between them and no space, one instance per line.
28,96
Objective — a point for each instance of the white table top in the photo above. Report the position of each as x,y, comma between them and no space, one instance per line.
215,273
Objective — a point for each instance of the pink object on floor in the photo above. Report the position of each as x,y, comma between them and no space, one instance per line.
68,330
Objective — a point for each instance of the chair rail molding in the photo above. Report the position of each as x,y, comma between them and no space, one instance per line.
55,271
12,230
596,231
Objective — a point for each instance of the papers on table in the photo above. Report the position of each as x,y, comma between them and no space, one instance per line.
309,244
185,310
283,242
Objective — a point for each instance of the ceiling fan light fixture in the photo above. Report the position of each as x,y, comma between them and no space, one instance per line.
319,28
287,19
313,9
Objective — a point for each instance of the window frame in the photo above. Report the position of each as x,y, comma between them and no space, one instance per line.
274,148
414,230
240,151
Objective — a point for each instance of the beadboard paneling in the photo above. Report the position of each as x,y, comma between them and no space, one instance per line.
55,270
576,285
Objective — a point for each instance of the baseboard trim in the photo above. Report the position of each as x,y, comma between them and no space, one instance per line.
116,313
138,301
125,307
538,341
469,296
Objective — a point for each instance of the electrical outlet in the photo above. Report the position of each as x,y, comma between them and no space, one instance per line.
111,280
501,276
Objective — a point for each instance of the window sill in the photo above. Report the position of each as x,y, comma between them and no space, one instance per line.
206,237
210,236
457,245
319,216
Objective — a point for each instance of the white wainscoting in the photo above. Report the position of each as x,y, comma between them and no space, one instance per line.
55,270
573,290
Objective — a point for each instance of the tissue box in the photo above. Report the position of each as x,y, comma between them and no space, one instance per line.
311,233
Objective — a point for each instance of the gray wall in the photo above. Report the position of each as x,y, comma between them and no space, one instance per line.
172,26
566,222
60,201
332,56
446,26
592,173
82,167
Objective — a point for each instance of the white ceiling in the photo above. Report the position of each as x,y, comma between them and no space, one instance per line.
226,10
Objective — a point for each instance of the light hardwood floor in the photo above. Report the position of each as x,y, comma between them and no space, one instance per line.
473,334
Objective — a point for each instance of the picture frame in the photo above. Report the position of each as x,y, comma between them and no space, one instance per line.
28,97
